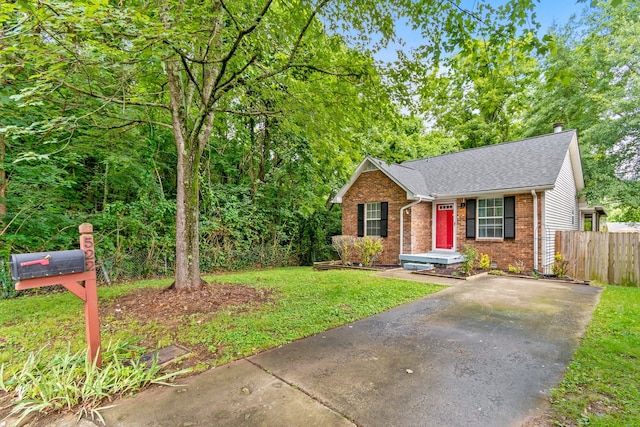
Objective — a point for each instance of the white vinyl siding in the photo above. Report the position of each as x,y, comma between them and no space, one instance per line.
560,209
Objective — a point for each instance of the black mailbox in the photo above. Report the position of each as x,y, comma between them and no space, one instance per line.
45,264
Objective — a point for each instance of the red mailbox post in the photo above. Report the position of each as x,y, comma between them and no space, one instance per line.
81,284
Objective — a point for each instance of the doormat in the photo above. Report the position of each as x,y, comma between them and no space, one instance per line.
165,354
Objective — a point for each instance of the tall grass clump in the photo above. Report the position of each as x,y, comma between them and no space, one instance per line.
70,382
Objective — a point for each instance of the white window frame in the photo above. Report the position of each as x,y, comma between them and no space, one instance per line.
491,220
370,218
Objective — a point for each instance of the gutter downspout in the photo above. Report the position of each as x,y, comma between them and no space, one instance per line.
402,209
535,230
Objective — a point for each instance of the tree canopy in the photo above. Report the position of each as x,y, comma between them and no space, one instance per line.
215,132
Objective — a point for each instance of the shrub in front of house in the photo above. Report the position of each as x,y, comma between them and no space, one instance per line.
345,246
485,262
559,266
369,248
470,259
358,250
517,267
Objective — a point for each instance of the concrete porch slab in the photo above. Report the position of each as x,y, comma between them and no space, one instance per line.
433,257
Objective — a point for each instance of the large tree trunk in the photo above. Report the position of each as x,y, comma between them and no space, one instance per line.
187,216
187,272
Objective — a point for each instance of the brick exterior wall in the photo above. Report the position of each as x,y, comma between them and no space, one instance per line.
421,227
375,186
371,187
505,252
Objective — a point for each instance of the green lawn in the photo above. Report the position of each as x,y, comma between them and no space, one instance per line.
306,302
600,388
602,384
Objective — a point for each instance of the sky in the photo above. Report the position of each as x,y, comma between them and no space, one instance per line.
548,13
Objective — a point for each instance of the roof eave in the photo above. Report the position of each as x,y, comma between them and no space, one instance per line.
494,191
576,162
421,197
359,170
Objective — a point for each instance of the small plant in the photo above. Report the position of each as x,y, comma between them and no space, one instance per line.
369,248
497,272
68,381
345,246
517,267
470,258
560,265
485,262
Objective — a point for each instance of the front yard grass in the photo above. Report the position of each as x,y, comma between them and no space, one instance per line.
305,302
602,384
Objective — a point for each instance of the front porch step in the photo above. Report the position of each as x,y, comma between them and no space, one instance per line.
417,266
433,257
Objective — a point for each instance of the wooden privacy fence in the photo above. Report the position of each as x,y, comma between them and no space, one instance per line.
612,258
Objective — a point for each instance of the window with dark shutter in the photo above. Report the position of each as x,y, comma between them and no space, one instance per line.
510,218
360,219
384,215
471,219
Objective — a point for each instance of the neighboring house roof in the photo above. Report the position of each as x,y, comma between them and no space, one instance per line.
623,227
524,165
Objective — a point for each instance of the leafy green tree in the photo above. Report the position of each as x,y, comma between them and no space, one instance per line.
591,83
479,91
187,67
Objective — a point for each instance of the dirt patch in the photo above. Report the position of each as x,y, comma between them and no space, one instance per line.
168,308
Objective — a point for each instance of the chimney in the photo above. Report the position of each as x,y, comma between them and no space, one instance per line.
557,127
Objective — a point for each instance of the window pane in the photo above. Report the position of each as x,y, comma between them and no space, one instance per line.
373,219
373,228
373,211
490,218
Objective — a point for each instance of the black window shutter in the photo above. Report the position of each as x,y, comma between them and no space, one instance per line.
471,218
510,218
360,220
384,215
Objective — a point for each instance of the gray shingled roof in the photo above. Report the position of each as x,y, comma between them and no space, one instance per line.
528,163
411,179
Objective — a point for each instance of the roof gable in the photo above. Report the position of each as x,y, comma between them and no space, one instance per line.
406,178
528,164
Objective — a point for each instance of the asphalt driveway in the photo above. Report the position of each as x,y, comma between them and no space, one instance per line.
480,353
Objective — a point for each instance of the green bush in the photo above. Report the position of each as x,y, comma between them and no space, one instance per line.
470,254
517,267
369,248
559,266
485,262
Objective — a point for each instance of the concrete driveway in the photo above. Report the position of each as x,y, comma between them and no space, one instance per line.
480,353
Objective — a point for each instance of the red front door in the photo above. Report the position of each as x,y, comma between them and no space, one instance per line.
444,226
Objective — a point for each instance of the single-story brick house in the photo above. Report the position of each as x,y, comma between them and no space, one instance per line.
507,200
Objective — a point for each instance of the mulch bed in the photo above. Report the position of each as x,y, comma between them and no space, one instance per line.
337,265
453,273
168,308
